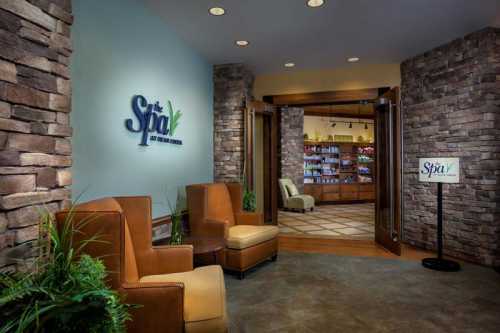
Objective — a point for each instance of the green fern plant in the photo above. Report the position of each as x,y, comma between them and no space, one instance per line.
66,292
174,118
249,200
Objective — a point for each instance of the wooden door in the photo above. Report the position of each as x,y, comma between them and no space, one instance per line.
388,171
270,151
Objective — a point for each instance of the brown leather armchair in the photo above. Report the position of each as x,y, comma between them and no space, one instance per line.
174,297
215,210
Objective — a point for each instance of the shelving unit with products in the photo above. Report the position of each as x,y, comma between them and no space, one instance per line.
337,171
321,163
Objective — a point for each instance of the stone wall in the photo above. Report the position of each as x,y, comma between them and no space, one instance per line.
451,108
35,101
233,85
292,145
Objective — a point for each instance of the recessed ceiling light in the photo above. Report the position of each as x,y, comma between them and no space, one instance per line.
353,59
217,11
289,64
315,3
242,43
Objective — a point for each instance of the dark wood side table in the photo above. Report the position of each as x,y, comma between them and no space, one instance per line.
203,247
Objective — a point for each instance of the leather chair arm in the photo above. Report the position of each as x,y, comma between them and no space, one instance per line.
159,305
167,259
247,218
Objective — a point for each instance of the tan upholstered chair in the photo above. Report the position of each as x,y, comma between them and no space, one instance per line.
215,210
174,297
292,199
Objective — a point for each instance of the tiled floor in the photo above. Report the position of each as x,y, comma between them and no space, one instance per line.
356,221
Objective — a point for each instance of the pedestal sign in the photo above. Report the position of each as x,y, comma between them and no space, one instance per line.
439,170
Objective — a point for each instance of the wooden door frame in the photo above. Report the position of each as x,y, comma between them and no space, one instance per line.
271,186
248,124
326,97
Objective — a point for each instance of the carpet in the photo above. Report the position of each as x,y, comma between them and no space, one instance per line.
304,292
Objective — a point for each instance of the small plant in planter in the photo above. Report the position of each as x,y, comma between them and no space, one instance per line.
66,292
249,200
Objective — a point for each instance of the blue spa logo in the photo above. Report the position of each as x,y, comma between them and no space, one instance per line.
437,169
152,122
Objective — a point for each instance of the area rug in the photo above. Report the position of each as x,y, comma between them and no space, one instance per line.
304,292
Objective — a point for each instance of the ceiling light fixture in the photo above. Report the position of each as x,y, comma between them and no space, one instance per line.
353,59
242,43
315,3
217,11
289,65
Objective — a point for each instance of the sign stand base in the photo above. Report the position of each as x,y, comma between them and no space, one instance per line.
440,264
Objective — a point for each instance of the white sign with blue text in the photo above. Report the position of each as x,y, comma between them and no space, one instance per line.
439,170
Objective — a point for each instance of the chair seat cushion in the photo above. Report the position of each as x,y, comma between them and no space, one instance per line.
302,201
204,298
245,236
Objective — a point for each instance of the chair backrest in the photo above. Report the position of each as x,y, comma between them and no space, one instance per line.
116,248
217,201
284,190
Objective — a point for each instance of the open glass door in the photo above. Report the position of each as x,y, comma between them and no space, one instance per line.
388,172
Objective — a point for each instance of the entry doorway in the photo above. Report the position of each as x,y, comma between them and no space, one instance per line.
383,206
339,172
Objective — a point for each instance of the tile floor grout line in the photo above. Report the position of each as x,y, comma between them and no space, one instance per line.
350,223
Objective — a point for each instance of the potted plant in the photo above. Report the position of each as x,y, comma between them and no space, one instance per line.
66,291
249,198
177,233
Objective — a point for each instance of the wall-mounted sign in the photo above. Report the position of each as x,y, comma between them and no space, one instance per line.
152,122
439,170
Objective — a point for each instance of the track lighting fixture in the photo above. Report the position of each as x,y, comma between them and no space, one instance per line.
350,123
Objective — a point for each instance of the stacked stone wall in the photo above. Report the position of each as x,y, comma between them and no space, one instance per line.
451,108
292,145
35,131
233,85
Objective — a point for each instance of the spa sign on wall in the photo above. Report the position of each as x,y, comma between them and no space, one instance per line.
439,170
153,122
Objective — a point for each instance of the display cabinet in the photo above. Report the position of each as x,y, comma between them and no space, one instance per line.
339,172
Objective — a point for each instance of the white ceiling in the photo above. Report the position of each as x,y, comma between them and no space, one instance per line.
377,31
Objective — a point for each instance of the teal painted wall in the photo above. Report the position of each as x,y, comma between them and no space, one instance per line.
122,49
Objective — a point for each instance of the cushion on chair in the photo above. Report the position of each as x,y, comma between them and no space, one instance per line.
204,298
244,236
292,190
219,203
303,201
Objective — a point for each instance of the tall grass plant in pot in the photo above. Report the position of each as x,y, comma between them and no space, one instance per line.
66,291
